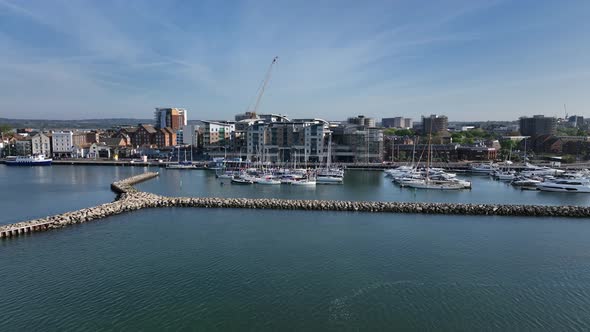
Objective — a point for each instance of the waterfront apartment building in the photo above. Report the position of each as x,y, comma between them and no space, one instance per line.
164,137
41,144
217,133
23,147
85,138
435,124
397,122
174,118
361,120
538,125
62,143
287,140
358,144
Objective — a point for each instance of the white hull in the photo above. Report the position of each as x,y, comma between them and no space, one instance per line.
177,166
304,183
433,185
564,188
329,180
505,177
268,182
241,181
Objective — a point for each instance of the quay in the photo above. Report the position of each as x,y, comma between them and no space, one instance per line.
457,166
130,199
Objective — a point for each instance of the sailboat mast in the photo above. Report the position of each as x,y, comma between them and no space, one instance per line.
429,151
414,150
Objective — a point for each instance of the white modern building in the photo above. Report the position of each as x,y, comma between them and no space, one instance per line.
62,143
41,144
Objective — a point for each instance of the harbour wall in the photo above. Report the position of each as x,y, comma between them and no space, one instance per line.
130,199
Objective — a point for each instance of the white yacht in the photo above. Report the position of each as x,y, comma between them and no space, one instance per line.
268,180
482,168
504,175
304,182
433,184
532,170
566,185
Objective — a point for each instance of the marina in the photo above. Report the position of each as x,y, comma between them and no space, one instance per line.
130,199
391,261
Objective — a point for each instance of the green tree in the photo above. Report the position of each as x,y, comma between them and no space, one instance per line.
398,132
458,137
5,128
571,132
508,144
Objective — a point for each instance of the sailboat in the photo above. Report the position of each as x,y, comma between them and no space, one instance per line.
428,183
182,164
330,175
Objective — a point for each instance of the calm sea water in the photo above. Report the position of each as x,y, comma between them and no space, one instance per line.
198,269
33,192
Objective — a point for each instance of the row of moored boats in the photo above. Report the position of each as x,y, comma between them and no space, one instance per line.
426,178
542,178
297,177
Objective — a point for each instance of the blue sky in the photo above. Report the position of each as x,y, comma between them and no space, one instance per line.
470,60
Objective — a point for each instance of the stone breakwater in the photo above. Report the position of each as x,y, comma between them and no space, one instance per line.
130,199
383,207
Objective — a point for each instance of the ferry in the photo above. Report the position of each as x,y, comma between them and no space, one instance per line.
37,160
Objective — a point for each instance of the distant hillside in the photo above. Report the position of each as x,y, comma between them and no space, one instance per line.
72,124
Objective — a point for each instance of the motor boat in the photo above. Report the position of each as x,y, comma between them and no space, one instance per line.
504,175
304,182
239,180
565,185
268,180
521,181
482,168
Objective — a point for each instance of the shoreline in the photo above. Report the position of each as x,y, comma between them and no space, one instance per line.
458,166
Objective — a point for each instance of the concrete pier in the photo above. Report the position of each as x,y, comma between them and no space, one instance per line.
130,199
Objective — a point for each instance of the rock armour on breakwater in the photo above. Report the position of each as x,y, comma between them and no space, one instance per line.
130,199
